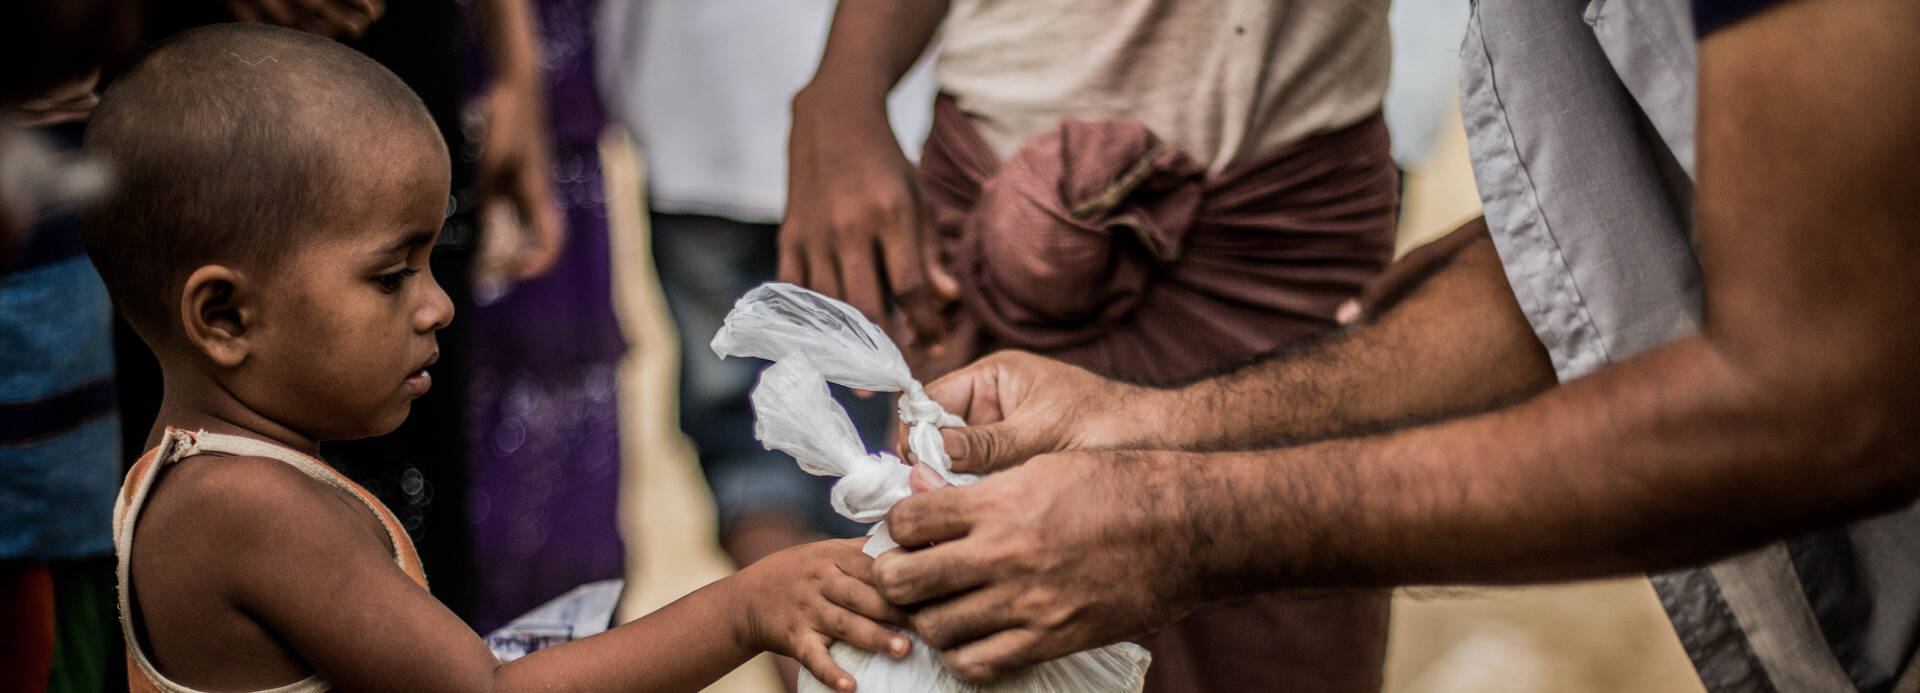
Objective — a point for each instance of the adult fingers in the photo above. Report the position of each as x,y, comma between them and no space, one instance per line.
925,518
860,277
970,393
302,15
373,9
914,577
811,652
907,275
988,659
967,617
344,20
925,479
318,26
276,12
549,228
822,271
995,446
944,285
793,254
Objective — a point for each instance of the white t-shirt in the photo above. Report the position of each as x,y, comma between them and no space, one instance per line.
1225,80
706,85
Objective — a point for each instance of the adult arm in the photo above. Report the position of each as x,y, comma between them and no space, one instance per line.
516,155
856,227
1790,410
1457,342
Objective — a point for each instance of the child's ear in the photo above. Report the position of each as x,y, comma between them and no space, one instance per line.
216,310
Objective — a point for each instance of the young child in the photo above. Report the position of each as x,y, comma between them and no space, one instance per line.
279,194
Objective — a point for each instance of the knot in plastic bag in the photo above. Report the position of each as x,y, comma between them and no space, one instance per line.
798,416
866,494
777,321
917,408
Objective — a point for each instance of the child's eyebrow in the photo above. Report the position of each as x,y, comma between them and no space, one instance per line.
412,239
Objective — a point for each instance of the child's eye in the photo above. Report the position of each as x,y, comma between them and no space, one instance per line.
392,281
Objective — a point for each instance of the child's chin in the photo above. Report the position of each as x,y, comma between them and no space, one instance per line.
388,423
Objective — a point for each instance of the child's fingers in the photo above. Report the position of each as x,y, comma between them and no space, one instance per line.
811,652
850,542
861,598
854,563
864,633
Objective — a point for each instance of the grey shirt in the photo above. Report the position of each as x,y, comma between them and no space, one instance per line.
1580,122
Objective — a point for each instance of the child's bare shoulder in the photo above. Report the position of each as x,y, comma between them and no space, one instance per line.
224,542
213,512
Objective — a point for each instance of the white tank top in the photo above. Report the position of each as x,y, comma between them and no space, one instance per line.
177,445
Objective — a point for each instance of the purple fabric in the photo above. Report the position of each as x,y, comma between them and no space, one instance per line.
545,465
542,414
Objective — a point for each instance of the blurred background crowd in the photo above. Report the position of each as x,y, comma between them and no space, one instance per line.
620,177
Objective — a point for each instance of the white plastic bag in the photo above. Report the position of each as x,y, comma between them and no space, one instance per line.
813,339
774,320
797,415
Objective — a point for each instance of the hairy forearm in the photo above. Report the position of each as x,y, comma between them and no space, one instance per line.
1458,343
871,44
1791,409
681,647
1675,457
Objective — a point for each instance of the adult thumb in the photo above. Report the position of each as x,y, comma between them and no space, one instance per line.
991,447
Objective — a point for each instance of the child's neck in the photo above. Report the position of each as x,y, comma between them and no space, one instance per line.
190,402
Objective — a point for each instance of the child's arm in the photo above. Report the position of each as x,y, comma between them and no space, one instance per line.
311,568
795,602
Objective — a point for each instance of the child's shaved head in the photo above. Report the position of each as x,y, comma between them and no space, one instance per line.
230,142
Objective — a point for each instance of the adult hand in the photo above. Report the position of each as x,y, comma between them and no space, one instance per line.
1018,405
516,187
339,19
1067,552
856,227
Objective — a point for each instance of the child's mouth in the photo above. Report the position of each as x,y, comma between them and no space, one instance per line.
418,383
420,380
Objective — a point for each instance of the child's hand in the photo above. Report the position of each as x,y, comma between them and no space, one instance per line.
800,600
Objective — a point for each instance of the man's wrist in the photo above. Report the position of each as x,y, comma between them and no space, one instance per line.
1203,556
1184,417
850,96
1243,537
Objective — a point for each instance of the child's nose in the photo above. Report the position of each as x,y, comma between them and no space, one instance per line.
437,312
